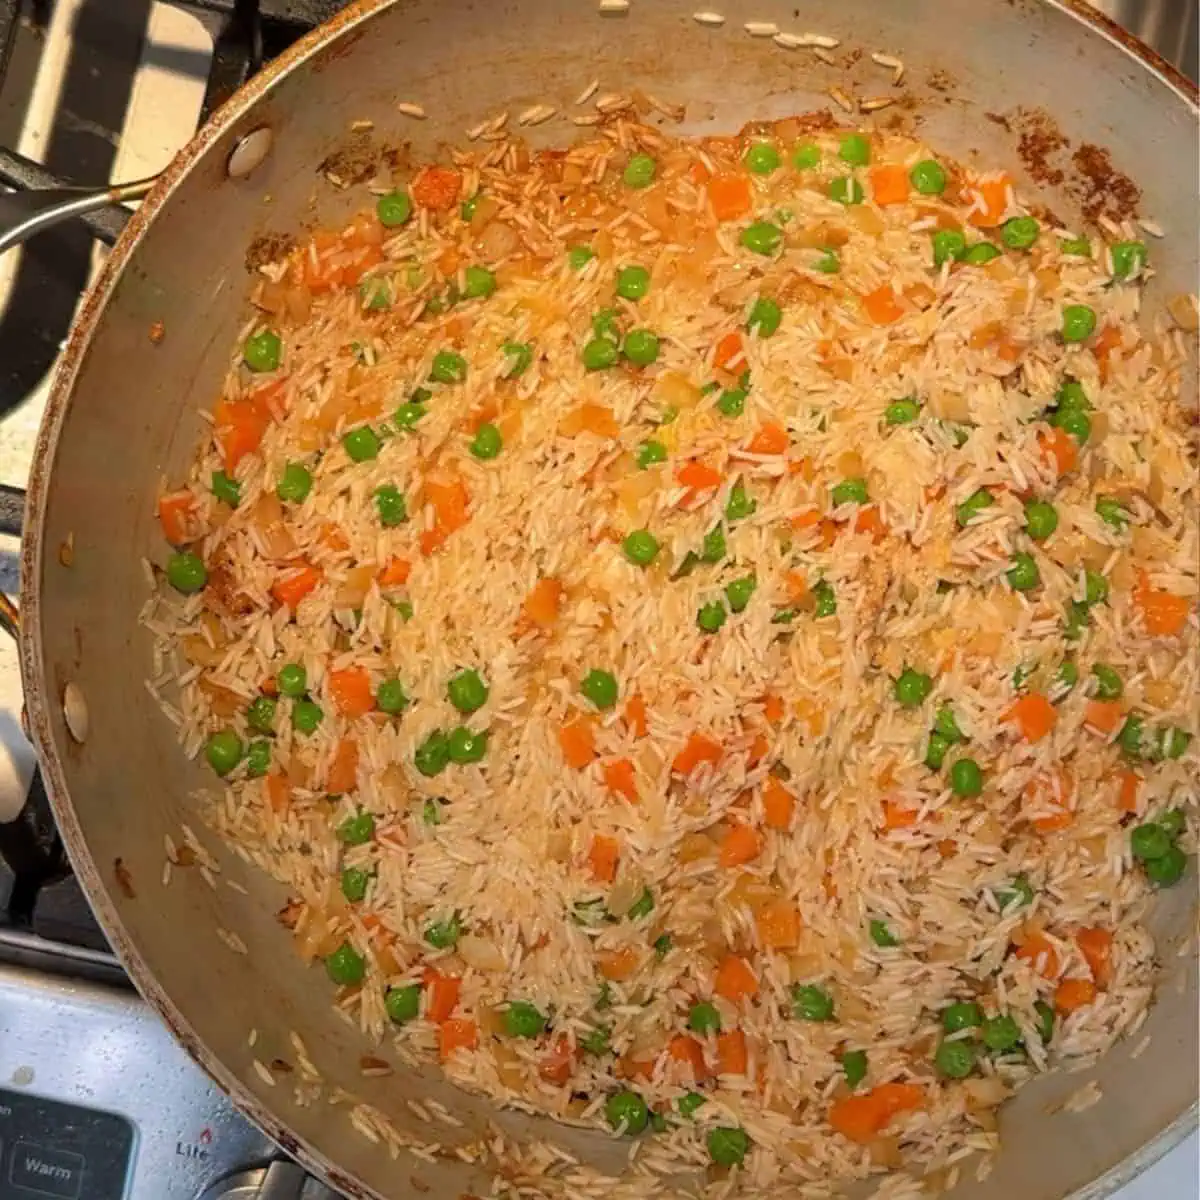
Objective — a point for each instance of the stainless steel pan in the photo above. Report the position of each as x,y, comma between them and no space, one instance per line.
121,416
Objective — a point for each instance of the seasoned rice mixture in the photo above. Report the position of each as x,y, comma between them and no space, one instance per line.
706,633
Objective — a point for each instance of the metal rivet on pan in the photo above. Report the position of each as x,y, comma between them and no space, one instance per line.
75,712
250,152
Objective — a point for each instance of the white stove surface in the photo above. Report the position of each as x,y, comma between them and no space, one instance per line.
162,115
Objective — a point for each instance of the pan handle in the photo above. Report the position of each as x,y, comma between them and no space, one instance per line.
22,214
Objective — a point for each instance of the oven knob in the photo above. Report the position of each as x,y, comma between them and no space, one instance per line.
279,1181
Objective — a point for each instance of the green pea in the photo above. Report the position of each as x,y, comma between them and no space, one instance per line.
306,716
600,687
1095,587
361,444
1023,575
522,1019
604,997
640,171
258,758
762,158
643,906
712,549
1108,682
1131,736
1080,247
640,347
262,351
739,504
223,751
882,936
431,811
1018,894
711,616
946,724
850,491
806,156
762,237
948,244
1074,421
1077,620
292,680
704,1018
811,1003
467,691
1173,822
1045,1021
966,779
1041,519
980,253
1068,674
345,966
1019,233
391,506
1128,258
912,687
599,354
1149,841
478,283
442,935
1112,513
1001,1034
626,1112
465,746
961,1015
354,883
448,367
728,1146
408,414
261,714
294,484
375,293
936,751
403,1004
1167,870
955,1060
186,573
826,599
855,149
928,178
689,1104
739,591
662,946
391,697
972,506
466,210
902,412
633,282
732,402
846,190
227,490
596,1041
650,453
765,317
393,209
1173,742
854,1067
1078,322
487,442
432,756
641,547
357,830
578,257
606,324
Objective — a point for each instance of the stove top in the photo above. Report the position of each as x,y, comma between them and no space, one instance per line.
97,1100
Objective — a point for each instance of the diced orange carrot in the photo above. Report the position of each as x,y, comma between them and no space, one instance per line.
989,200
1049,796
343,771
279,792
541,605
618,964
778,804
441,994
395,573
437,188
867,520
773,706
556,1066
1058,447
239,426
770,439
896,817
1096,946
806,519
729,353
1039,952
450,500
684,1049
1073,994
778,924
883,306
351,691
698,476
862,1118
698,172
459,1034
629,1067
1127,794
1034,715
1164,614
699,749
295,584
733,1055
1108,340
889,184
741,844
1103,715
759,749
577,740
734,979
635,715
619,778
730,196
590,418
603,857
269,687
333,538
175,513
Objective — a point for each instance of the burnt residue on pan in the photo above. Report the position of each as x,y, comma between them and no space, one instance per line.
268,248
